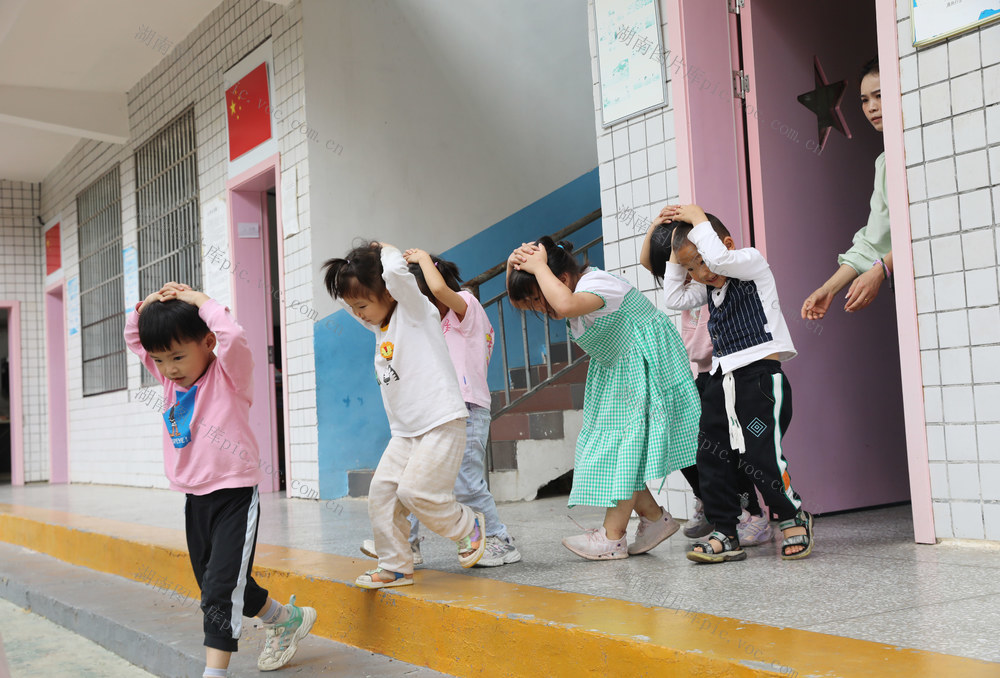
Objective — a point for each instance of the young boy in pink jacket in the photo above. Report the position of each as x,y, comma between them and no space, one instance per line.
213,457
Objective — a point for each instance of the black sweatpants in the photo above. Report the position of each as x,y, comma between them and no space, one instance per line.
222,537
764,410
748,494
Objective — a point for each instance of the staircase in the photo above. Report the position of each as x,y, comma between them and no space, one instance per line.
538,405
533,441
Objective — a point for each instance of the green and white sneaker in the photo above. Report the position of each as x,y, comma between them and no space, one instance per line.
282,639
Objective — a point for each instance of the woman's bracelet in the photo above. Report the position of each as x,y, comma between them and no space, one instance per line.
885,271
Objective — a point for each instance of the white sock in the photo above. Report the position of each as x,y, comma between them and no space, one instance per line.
215,673
275,613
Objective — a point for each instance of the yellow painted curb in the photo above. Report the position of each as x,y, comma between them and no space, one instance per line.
470,626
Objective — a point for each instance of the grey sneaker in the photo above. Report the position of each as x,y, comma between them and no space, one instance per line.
697,527
595,545
499,552
651,533
282,640
754,530
368,548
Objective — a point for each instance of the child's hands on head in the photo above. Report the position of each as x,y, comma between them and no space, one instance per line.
534,259
663,217
521,254
175,290
415,256
692,214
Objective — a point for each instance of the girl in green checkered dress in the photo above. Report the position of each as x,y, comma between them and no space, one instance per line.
640,408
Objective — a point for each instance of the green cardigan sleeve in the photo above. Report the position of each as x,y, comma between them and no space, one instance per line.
874,240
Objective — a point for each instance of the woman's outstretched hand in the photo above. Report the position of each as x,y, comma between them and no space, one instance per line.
817,304
864,289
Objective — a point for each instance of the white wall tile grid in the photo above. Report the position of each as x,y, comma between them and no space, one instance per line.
951,114
190,74
22,276
637,166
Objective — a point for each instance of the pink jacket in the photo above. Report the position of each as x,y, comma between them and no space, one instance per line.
208,444
697,341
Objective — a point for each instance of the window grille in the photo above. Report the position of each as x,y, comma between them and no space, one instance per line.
166,179
102,311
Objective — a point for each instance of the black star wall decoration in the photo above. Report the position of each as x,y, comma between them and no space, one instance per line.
825,102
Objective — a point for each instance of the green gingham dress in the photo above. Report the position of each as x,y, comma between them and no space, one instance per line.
640,409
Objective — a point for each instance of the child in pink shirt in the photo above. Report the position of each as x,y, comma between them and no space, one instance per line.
210,454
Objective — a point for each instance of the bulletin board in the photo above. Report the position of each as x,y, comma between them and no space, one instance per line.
936,20
630,58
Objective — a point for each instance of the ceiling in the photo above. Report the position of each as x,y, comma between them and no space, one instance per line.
65,68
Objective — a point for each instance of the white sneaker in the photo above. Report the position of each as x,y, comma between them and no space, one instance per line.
651,533
754,530
595,545
282,640
499,552
368,548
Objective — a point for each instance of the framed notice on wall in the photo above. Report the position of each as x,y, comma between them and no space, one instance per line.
629,58
936,20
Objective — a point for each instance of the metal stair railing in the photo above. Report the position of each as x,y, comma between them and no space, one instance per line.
500,302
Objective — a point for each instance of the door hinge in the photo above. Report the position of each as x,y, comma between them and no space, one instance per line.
735,6
741,84
270,355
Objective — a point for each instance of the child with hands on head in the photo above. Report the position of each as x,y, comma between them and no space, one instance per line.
746,388
641,409
425,408
754,527
200,355
469,336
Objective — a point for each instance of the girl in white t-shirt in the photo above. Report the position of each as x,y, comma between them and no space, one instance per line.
640,406
426,413
469,335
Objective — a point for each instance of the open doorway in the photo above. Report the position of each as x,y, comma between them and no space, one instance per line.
5,419
258,290
800,202
11,427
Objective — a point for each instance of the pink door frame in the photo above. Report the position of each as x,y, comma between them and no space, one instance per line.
256,179
906,310
16,391
56,357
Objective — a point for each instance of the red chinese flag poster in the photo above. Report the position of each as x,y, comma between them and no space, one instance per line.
248,109
53,250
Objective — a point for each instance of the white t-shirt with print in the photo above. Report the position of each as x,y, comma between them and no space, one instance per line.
412,365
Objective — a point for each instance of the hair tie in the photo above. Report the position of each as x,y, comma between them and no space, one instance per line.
435,264
347,260
560,247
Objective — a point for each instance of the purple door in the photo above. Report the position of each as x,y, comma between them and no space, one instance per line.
846,445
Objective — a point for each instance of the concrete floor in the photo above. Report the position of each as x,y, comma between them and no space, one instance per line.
34,646
866,579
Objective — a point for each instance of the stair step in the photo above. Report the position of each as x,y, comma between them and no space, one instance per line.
554,396
528,426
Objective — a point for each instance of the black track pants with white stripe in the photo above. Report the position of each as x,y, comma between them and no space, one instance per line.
222,537
764,410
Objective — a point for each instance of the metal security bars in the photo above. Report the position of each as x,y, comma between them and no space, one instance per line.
102,310
166,179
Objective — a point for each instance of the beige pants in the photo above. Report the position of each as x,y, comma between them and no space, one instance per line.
417,475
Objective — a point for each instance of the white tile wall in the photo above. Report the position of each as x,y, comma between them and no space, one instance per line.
638,169
191,74
951,93
22,275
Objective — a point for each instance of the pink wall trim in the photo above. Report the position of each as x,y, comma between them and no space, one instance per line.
16,392
57,388
272,164
902,258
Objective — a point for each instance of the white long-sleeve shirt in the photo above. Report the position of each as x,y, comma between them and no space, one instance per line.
412,365
745,320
